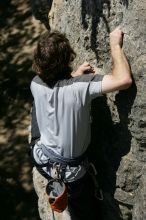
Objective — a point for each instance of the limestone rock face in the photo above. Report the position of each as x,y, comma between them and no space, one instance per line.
118,145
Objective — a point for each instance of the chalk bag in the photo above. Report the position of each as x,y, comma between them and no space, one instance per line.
57,195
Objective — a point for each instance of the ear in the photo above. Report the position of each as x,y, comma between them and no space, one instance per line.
36,69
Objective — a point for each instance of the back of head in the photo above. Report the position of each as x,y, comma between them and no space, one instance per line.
52,57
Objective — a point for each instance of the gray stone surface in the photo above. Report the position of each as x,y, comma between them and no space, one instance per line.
139,210
119,119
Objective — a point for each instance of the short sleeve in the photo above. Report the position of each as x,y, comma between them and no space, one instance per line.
87,87
95,86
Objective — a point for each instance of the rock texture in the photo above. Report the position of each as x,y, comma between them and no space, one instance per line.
119,119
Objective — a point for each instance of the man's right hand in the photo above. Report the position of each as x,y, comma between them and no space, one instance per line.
116,38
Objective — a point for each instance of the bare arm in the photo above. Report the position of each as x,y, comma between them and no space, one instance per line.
121,75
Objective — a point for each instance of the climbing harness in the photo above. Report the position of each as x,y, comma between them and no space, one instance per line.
56,188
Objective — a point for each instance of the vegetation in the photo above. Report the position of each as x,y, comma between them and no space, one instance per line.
19,32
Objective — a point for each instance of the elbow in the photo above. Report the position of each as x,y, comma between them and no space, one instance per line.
126,83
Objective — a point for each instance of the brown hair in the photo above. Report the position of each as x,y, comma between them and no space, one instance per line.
53,56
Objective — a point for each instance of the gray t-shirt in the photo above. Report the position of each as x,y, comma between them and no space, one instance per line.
63,116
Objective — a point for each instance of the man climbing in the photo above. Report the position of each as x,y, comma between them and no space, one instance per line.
62,102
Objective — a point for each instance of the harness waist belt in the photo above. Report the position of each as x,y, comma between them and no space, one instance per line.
53,157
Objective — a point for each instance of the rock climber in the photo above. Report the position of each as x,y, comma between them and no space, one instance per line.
61,114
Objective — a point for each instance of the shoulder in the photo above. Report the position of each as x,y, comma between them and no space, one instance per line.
37,81
86,78
37,86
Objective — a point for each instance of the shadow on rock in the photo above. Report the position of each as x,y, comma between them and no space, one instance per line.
110,142
94,9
